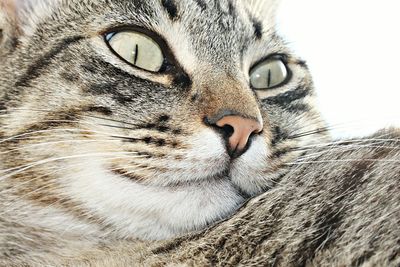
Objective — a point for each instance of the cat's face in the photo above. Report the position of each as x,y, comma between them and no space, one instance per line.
116,104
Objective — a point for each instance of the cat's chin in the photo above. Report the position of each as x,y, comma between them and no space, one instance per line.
134,210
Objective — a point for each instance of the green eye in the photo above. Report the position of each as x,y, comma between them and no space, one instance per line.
269,74
137,49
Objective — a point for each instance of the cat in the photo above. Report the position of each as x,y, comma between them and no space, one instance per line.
124,123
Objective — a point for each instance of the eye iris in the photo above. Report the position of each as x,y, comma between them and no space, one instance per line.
137,49
268,74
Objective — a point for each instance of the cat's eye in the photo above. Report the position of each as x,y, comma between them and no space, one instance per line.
269,74
137,49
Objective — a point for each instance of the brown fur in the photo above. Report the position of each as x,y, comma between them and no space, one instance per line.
98,158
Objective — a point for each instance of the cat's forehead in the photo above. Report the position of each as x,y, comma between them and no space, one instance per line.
204,19
225,34
220,30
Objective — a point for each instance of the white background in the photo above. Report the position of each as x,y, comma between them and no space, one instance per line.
353,50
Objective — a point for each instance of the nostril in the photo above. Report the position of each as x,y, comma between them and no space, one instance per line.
227,130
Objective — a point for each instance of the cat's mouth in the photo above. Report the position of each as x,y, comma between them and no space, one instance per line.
223,174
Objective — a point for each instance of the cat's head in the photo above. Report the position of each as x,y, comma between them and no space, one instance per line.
114,103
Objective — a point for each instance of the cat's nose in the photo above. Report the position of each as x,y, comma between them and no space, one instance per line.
237,131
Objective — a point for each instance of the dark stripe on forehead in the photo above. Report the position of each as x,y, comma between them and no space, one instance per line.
302,63
171,8
231,8
36,69
258,28
201,4
225,7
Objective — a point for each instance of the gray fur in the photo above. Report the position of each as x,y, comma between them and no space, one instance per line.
321,203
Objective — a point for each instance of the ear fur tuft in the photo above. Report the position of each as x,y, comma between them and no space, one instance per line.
263,10
19,17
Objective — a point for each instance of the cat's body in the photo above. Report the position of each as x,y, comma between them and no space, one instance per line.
96,151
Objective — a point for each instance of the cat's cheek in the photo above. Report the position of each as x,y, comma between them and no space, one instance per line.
248,171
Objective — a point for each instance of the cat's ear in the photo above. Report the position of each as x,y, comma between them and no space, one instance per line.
263,10
19,17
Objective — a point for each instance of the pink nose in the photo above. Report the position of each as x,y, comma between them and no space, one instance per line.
242,129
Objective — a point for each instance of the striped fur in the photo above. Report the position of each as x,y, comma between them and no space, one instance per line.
96,155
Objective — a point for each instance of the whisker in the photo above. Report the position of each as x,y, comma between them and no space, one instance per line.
344,143
342,160
312,132
112,120
47,184
317,154
72,130
344,146
142,168
121,127
57,136
82,115
62,170
47,131
21,148
41,162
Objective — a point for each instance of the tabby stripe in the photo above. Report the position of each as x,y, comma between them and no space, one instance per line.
363,258
69,117
171,8
221,9
100,109
258,28
287,98
109,89
231,9
36,69
180,79
331,218
168,247
2,104
279,135
298,107
276,211
111,70
129,175
147,140
281,152
302,63
201,4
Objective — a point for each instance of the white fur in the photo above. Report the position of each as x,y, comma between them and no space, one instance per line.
150,212
247,171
